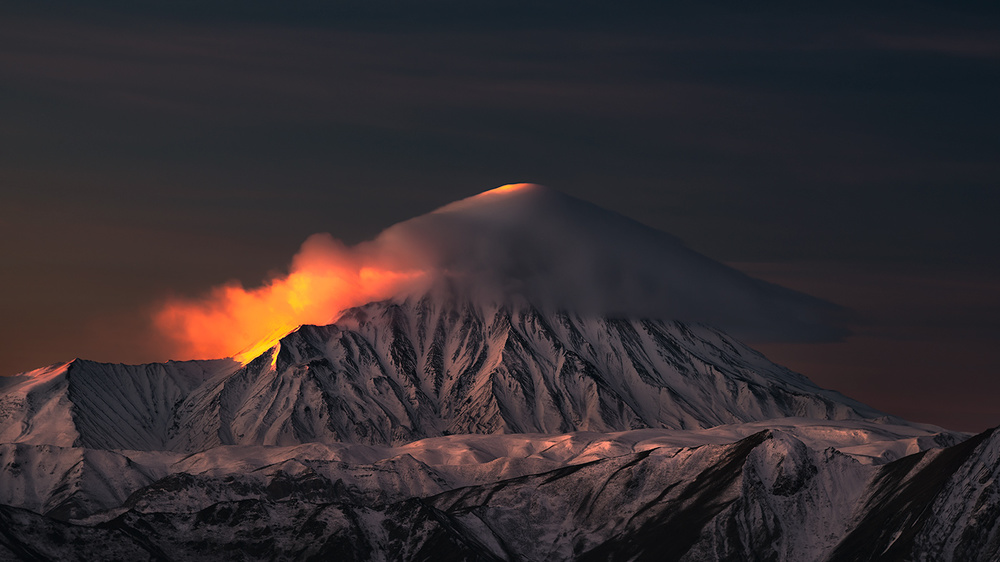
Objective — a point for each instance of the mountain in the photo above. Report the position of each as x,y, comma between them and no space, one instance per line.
556,387
393,372
558,252
785,490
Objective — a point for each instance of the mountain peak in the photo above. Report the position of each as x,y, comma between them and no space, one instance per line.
560,252
518,242
515,199
513,187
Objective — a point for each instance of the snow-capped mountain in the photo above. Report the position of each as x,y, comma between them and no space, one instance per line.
786,490
487,416
393,372
559,252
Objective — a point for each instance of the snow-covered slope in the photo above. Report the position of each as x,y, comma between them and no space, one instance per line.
100,405
74,482
787,493
392,372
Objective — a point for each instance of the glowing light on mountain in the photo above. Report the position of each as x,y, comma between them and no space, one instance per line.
325,278
508,188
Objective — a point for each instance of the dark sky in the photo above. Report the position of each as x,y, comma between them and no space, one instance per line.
154,148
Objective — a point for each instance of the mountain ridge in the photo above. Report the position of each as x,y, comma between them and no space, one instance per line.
395,371
761,494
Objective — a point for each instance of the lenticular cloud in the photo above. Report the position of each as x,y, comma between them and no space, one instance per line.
519,241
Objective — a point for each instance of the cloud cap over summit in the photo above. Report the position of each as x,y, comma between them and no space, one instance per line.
557,251
516,243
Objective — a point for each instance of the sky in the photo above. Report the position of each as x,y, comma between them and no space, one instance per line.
155,150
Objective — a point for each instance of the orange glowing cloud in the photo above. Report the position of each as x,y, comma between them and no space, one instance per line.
325,278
